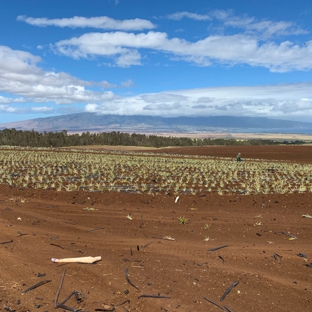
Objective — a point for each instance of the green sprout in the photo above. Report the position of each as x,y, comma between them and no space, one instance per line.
182,220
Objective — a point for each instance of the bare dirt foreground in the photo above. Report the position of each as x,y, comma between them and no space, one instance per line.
151,253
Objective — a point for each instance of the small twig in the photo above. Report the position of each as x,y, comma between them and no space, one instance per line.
73,293
59,290
214,303
21,234
122,303
104,309
221,259
2,243
142,222
36,285
228,290
276,256
96,229
153,296
290,235
201,264
217,248
62,304
128,280
227,309
147,244
165,238
57,245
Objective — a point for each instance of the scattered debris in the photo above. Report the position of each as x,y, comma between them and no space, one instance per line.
128,280
228,290
201,264
222,259
147,244
276,256
306,216
36,285
7,242
177,199
217,248
258,223
292,237
78,260
214,303
123,302
302,255
129,217
153,296
165,238
142,222
19,219
89,209
73,293
309,265
96,229
57,246
105,308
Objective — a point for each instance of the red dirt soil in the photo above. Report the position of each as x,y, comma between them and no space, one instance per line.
37,225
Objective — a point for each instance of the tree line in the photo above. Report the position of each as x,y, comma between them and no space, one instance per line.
33,138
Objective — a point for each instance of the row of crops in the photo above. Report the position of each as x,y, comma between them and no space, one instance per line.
73,170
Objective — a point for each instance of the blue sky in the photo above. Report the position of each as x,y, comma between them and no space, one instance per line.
161,58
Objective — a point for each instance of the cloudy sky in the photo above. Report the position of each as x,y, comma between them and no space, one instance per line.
160,58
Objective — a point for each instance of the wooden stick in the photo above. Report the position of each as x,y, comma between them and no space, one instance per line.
36,285
78,260
153,296
217,248
228,290
128,280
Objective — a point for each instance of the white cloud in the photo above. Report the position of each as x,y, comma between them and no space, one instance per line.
229,50
128,58
289,101
102,22
162,97
264,28
127,83
9,100
179,15
20,75
7,109
42,109
25,110
91,108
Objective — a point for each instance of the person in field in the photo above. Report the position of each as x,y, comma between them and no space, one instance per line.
238,157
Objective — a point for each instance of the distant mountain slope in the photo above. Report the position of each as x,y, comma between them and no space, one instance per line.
93,122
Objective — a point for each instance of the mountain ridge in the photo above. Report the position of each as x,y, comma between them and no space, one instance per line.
102,123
